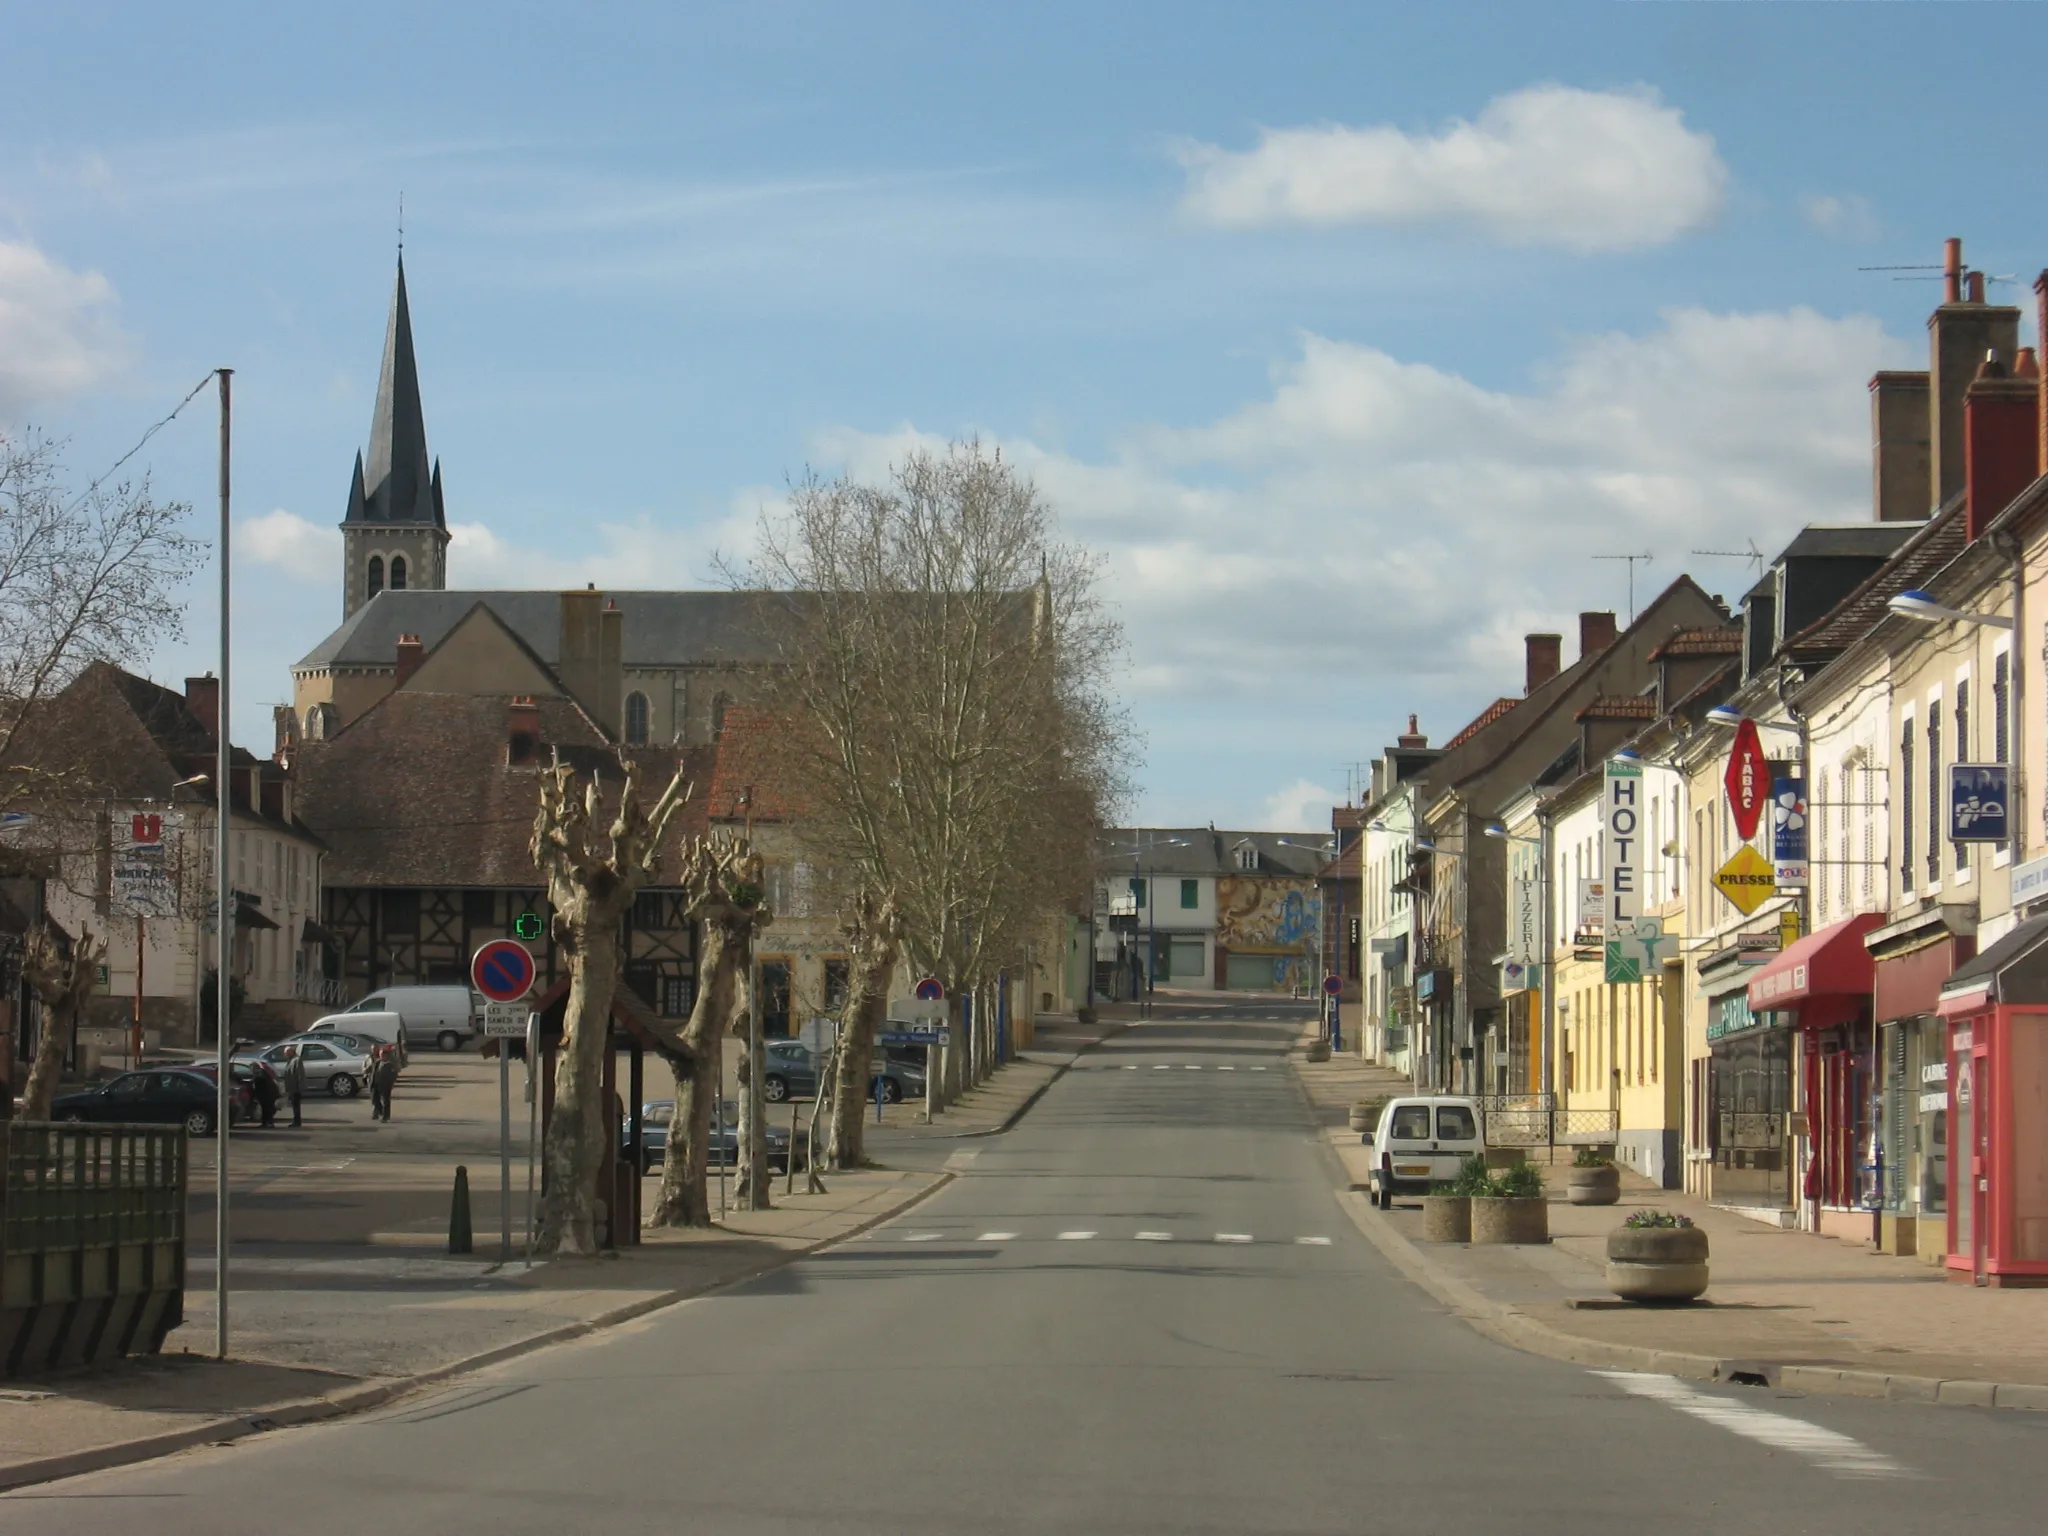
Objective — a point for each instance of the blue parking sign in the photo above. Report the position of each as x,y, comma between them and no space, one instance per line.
1977,801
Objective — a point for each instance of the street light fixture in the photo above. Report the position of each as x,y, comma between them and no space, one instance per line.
1137,851
1923,606
1722,715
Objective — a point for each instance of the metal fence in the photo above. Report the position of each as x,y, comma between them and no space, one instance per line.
92,1242
1537,1120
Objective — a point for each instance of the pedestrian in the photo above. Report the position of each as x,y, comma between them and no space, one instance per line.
383,1078
294,1081
267,1095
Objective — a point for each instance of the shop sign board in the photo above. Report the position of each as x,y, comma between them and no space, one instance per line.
1748,779
2030,881
1621,842
1977,798
1746,880
1788,832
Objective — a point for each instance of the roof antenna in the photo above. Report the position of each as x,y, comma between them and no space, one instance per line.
1752,554
401,225
1631,559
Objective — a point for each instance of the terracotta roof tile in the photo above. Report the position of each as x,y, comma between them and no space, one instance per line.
1612,707
1487,716
1701,642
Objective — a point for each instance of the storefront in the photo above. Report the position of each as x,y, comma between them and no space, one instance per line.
1824,981
1912,960
1748,1092
1996,1009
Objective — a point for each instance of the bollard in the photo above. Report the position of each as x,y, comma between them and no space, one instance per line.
458,1215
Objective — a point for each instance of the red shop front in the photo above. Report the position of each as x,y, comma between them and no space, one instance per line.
1824,981
1997,1012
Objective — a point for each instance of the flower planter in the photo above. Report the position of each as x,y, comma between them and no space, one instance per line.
1522,1219
1657,1263
1318,1050
1594,1186
1446,1219
1365,1114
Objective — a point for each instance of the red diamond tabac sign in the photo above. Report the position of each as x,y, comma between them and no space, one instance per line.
1749,779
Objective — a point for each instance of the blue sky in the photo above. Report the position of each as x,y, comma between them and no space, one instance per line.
1348,333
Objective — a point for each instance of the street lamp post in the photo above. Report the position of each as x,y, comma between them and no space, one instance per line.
224,922
1151,880
1546,997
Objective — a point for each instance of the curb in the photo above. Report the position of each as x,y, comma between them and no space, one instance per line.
1033,1097
314,1410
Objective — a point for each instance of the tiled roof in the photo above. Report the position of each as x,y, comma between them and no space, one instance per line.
1932,546
748,781
417,792
1486,717
1701,642
1613,707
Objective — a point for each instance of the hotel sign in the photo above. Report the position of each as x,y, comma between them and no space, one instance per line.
1621,844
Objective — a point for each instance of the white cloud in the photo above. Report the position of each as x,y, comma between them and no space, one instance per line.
1849,216
1547,165
287,542
1301,806
57,333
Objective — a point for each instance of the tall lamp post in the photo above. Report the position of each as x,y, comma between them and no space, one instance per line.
1547,993
1324,850
224,912
1151,880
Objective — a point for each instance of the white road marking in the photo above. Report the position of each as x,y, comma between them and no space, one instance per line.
1226,1069
922,1237
1163,1067
1192,1068
1155,1237
1129,1068
1233,1237
1258,1069
1313,1242
1075,1237
995,1237
1837,1452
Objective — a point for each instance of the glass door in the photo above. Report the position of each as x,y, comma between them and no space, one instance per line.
1981,1125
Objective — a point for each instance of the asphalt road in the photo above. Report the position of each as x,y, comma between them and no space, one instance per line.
1142,1310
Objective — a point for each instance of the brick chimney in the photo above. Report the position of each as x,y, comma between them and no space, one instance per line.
410,654
2001,439
1412,737
202,697
1901,463
1959,333
1545,660
1596,633
590,659
522,732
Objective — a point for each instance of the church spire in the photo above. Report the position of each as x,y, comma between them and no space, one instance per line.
398,481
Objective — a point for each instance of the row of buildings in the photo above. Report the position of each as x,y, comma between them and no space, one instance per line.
1759,893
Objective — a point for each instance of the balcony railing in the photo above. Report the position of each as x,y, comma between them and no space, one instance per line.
1537,1120
323,990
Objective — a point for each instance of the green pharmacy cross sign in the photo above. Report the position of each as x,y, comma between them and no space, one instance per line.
1638,953
528,925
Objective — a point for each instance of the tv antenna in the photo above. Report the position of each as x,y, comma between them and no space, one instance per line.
1752,554
1646,558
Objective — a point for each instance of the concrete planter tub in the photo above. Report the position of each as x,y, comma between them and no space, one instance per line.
1447,1218
1594,1186
1657,1264
1510,1219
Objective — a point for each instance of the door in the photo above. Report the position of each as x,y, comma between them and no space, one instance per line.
1457,1138
1410,1136
126,1098
1982,1118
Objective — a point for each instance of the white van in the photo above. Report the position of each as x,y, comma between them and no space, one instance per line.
444,1016
384,1028
1420,1143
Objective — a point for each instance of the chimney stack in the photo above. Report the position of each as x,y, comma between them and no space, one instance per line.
1545,660
202,697
1901,465
1412,738
1596,633
2001,439
590,660
1959,333
522,732
410,654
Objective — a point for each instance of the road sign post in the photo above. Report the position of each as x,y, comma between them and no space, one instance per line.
503,971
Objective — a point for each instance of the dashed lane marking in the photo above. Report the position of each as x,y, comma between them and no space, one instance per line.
1226,1069
1233,1237
1075,1237
1129,1068
922,1237
1838,1453
1155,1237
1162,1067
1190,1067
995,1237
1313,1242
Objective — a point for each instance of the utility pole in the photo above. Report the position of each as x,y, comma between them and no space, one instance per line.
224,923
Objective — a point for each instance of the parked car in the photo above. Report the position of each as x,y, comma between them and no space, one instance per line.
656,1114
1420,1142
445,1016
336,1064
244,1104
159,1096
371,1028
792,1073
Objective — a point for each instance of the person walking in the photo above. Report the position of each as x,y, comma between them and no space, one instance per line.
294,1081
383,1078
267,1094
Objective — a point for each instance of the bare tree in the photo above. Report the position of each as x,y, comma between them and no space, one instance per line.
63,979
722,875
949,731
593,870
874,940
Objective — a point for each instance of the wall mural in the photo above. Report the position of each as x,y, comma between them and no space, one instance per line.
1276,921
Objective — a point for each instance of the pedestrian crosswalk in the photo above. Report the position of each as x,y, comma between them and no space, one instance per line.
1080,1235
1163,1066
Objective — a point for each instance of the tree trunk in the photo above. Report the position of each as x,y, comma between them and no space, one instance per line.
867,1001
684,1200
62,983
577,1144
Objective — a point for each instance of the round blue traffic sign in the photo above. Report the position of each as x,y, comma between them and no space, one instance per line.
502,970
930,990
1333,984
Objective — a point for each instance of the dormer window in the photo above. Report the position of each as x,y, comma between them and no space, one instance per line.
1246,856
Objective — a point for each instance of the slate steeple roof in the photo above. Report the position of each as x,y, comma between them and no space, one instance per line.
396,484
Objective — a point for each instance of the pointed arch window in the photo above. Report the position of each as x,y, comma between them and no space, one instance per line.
376,575
398,573
636,719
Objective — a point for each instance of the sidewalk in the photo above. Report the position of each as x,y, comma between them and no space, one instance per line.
1789,1308
997,1104
324,1331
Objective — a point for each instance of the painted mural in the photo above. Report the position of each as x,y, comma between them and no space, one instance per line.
1271,929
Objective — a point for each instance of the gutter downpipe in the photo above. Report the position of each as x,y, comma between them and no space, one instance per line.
1806,891
1548,1001
2007,543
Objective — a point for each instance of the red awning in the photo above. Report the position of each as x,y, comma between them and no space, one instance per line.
1830,963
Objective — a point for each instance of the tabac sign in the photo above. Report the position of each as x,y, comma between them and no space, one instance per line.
1621,801
1748,780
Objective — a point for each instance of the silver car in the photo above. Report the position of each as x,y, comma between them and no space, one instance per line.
336,1064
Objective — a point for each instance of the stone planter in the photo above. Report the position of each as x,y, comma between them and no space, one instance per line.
1365,1115
1446,1219
1594,1186
1657,1263
1521,1220
1318,1050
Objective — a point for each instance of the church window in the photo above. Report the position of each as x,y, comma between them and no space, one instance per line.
376,575
719,705
398,573
636,719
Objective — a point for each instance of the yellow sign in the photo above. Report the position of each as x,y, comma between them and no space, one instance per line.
1747,880
1788,928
